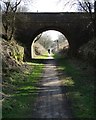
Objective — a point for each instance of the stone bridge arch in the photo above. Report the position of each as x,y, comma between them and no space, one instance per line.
74,26
45,29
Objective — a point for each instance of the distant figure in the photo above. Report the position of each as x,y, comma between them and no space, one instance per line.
49,51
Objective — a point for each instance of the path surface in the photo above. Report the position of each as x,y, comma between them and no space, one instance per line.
52,101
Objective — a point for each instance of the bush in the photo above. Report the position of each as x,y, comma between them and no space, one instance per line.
88,51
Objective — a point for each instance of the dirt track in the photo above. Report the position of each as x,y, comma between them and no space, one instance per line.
52,101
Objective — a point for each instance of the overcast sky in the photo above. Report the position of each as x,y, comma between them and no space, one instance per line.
52,6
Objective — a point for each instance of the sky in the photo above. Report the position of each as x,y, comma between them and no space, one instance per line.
51,6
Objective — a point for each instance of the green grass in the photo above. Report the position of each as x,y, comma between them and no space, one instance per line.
44,56
22,90
80,87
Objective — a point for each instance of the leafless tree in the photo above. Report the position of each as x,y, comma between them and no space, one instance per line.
45,41
22,9
9,9
85,5
89,7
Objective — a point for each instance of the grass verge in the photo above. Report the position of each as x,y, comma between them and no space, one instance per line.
79,79
44,56
20,88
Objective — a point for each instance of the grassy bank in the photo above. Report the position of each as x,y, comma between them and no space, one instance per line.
20,91
78,77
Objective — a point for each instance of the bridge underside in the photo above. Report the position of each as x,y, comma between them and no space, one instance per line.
75,27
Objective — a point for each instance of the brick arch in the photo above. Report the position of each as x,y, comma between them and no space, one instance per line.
74,26
47,29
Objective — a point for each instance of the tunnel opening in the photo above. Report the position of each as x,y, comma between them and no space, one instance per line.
47,43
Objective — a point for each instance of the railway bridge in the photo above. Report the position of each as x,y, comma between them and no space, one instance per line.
75,27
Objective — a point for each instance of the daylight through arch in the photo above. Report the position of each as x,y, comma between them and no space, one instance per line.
52,40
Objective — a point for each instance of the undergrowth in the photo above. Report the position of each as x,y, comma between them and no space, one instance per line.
79,82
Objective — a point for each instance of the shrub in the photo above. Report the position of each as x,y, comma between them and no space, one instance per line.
88,51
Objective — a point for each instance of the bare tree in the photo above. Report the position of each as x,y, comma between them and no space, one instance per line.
89,7
9,9
22,9
85,5
45,41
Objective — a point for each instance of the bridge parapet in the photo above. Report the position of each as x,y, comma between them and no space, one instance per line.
51,17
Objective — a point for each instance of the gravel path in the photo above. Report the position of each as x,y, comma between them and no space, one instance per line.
52,101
